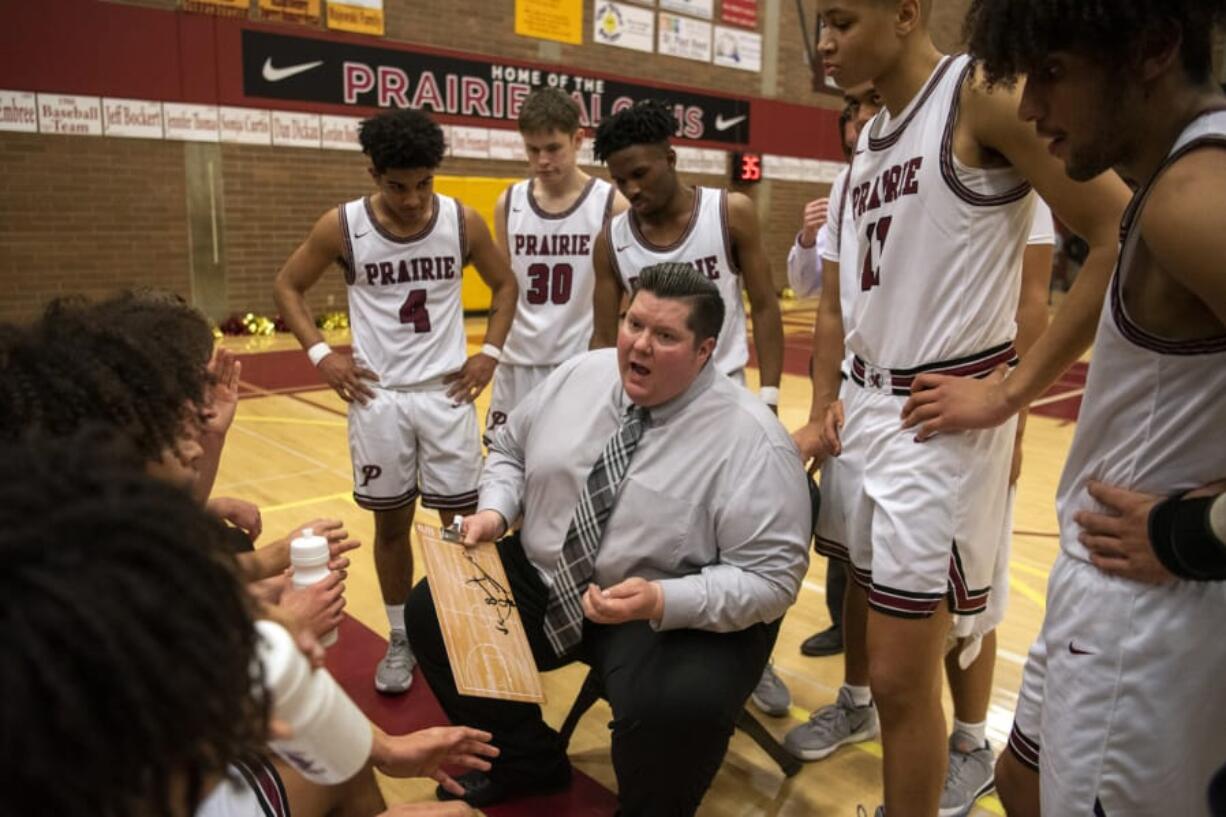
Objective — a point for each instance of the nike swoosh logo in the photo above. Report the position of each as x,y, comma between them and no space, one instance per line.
273,74
360,235
724,124
1077,650
622,249
514,209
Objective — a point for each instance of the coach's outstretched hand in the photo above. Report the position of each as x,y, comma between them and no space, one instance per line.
940,402
347,378
474,375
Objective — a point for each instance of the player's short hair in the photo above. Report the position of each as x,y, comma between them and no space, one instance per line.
549,109
1013,37
647,122
127,636
402,140
683,281
68,371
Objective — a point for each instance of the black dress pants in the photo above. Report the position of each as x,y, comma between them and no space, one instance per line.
675,696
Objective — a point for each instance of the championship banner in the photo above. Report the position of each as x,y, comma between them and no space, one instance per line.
221,8
359,16
308,69
298,11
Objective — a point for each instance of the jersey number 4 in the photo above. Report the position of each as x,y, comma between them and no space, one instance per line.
414,311
548,284
870,276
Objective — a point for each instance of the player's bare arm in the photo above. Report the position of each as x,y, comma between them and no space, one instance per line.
755,273
493,267
307,264
607,295
1031,321
1091,209
500,225
1181,227
819,438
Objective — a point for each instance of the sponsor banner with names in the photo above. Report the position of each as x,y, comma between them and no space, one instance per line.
339,132
303,11
134,118
623,26
684,37
558,20
470,143
737,48
297,130
66,113
697,8
306,69
739,13
191,123
358,16
224,8
18,111
245,126
507,145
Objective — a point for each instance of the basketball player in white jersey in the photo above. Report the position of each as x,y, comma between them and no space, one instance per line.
939,198
409,382
712,229
546,226
1120,710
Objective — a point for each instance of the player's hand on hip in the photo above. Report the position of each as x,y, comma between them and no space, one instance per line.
347,378
482,526
631,600
473,376
816,214
940,402
1118,540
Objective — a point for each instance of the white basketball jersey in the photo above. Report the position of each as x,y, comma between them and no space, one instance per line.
1154,412
405,311
551,254
706,244
938,244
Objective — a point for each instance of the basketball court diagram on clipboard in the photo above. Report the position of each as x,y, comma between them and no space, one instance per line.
485,639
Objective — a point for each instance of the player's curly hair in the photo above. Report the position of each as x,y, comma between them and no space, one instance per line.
67,371
127,641
402,139
646,122
173,332
1012,37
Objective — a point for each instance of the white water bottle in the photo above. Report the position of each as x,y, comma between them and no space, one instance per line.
309,554
331,739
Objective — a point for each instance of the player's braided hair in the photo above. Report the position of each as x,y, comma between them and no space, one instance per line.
125,639
402,140
1012,37
682,280
647,122
68,370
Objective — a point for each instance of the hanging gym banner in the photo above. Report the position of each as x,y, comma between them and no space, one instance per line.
307,69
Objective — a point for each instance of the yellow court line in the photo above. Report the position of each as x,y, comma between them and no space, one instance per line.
1028,592
1025,568
296,420
285,506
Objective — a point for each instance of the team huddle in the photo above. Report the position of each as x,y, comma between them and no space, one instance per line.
620,438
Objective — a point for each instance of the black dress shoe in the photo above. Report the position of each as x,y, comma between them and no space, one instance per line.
827,642
481,790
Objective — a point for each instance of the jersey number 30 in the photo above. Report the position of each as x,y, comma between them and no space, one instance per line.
870,276
414,311
549,284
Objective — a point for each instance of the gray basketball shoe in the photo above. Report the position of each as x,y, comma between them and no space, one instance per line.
771,694
832,726
394,674
971,775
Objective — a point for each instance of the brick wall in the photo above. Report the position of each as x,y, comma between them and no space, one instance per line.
86,214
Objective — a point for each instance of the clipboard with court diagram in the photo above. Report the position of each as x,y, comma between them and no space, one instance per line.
485,639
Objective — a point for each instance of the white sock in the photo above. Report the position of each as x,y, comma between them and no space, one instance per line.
860,696
395,616
978,731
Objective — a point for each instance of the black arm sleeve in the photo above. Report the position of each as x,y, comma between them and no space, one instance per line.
1184,541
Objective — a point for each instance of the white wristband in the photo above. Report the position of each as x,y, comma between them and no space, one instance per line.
318,352
490,350
769,395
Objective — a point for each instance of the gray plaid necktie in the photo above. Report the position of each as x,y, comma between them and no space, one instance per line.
564,613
